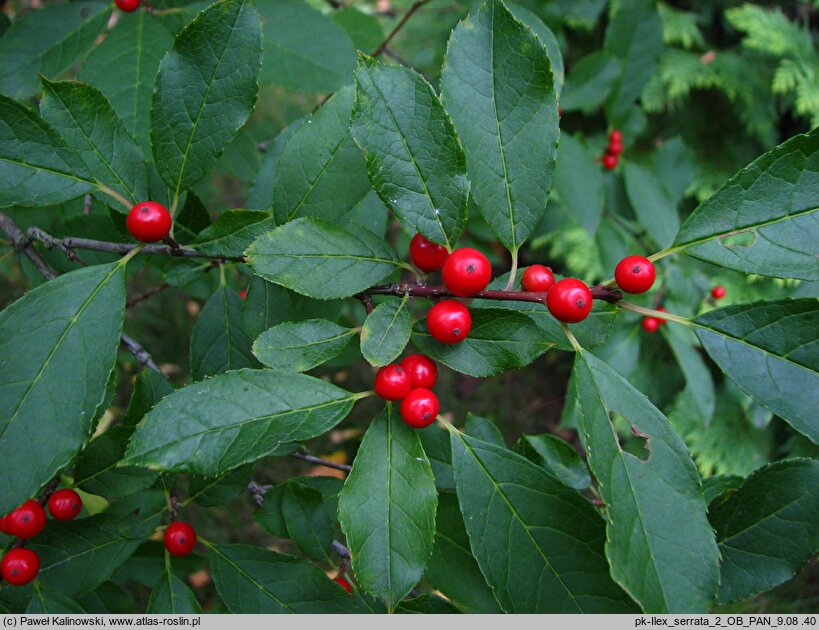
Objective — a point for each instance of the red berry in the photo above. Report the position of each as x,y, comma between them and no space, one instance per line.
243,294
420,408
635,274
651,324
426,255
180,538
422,370
569,300
27,521
615,136
149,222
20,566
65,504
718,292
344,583
615,148
127,5
610,161
392,382
467,272
537,279
4,527
449,321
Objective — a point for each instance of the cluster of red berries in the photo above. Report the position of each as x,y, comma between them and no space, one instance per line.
411,382
612,155
20,565
180,538
127,5
652,324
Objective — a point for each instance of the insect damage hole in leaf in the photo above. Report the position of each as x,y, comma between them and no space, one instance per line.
630,438
745,238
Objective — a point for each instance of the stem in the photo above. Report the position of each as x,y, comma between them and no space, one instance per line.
114,195
649,312
421,290
399,26
513,272
572,339
305,456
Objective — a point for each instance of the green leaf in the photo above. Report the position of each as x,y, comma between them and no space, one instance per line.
635,37
427,604
500,340
171,596
452,569
37,167
714,487
547,38
251,580
304,50
59,345
386,332
767,529
321,172
435,441
90,126
387,509
363,28
261,192
205,90
697,375
233,232
96,470
538,543
590,82
149,388
320,260
301,346
763,220
77,556
266,305
483,429
222,489
200,428
771,351
219,342
652,204
48,602
191,219
646,498
579,183
307,520
557,457
124,66
48,42
414,159
497,85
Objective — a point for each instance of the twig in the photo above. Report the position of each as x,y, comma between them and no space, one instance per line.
341,550
598,292
257,492
147,294
399,26
22,244
75,242
304,455
367,301
140,354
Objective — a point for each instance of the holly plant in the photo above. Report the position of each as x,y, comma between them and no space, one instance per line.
345,307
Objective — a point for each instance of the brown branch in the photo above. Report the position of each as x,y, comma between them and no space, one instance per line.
140,354
146,294
305,456
399,26
367,300
599,292
74,242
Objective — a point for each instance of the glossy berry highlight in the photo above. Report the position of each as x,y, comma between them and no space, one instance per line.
392,382
422,370
20,566
149,222
537,279
569,300
635,274
718,292
26,521
127,5
65,504
449,321
426,255
420,408
466,272
651,324
180,538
